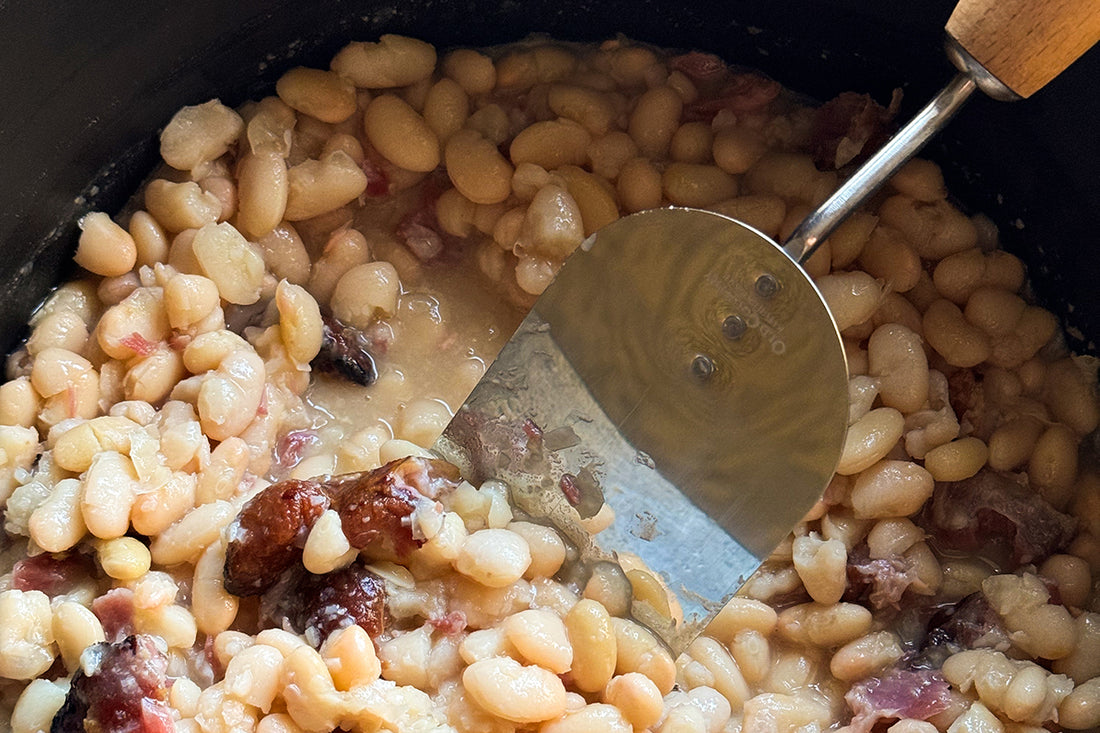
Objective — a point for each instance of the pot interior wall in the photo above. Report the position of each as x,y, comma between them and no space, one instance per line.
88,85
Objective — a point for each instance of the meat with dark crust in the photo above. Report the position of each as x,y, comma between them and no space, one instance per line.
268,534
126,692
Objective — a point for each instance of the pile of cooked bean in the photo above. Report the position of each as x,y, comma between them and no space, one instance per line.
220,514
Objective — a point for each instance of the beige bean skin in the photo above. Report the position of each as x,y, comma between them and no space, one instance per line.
509,690
364,293
822,566
869,439
1073,577
150,240
762,211
638,699
866,655
959,342
151,378
230,395
199,133
655,119
736,149
890,489
607,154
728,679
594,650
262,190
179,206
234,265
316,187
541,638
187,539
740,614
108,492
477,169
18,403
299,321
824,626
920,179
994,310
639,185
473,70
1071,396
792,176
394,61
852,297
637,650
57,524
849,239
594,196
960,459
317,93
583,105
888,257
1052,467
104,247
214,608
934,229
896,359
446,108
155,510
400,134
696,184
551,144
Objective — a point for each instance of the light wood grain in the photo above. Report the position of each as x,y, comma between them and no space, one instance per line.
1026,43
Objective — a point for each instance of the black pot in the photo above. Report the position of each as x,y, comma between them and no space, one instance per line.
86,86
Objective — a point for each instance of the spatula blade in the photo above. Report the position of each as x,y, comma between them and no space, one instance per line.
679,368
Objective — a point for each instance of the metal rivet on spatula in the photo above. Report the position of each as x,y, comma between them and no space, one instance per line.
734,327
702,367
766,285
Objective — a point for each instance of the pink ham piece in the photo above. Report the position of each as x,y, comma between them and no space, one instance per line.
899,693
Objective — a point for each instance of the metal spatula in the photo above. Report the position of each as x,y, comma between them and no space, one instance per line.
684,369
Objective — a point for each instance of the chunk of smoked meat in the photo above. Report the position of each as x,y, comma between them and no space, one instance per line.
899,693
375,506
52,574
972,623
996,509
345,351
881,581
268,534
126,692
849,128
317,605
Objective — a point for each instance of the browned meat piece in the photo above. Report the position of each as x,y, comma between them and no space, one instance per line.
345,351
742,93
374,507
126,691
267,536
849,128
317,605
995,511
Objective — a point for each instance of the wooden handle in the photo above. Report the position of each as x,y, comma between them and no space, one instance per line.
1025,43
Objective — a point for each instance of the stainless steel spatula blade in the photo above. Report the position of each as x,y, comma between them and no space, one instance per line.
683,374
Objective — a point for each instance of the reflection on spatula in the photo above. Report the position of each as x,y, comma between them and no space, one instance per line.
683,369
